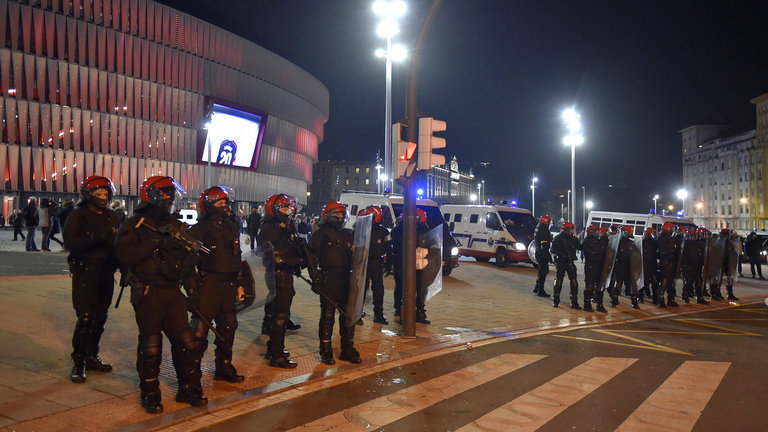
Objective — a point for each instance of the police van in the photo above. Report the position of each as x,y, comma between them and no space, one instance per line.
491,231
356,201
638,221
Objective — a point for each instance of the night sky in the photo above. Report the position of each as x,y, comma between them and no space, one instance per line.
500,72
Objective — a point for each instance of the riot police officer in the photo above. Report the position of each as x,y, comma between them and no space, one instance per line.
730,259
89,234
623,268
219,273
691,266
543,241
650,267
422,241
564,248
594,247
376,252
276,228
155,263
668,253
332,245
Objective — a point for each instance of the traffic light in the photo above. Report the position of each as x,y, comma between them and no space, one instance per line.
428,143
403,153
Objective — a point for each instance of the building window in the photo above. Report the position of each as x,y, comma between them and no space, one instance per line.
357,181
367,170
367,181
357,170
346,182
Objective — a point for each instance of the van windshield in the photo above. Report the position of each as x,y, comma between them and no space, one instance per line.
520,225
434,217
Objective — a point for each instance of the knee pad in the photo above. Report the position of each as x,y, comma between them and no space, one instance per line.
85,320
199,329
151,345
186,340
282,318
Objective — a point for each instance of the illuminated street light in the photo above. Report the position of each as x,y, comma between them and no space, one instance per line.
388,28
682,194
590,204
574,138
655,198
378,176
533,195
473,197
699,205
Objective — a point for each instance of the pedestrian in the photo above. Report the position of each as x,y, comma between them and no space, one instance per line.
542,239
2,221
593,247
252,225
564,248
277,229
31,220
155,264
219,286
754,247
45,224
332,245
668,251
18,223
377,250
53,220
89,236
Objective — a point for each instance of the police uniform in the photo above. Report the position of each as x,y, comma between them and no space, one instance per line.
89,236
668,253
219,273
594,248
564,248
376,252
650,270
543,240
623,271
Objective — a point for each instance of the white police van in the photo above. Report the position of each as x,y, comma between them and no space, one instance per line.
491,231
356,201
638,221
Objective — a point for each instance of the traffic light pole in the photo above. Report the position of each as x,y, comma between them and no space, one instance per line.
408,312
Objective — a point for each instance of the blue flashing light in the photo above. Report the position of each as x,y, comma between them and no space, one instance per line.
680,213
420,192
652,211
513,203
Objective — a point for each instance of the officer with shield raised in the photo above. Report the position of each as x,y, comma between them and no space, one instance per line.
89,235
627,260
691,266
155,263
376,252
668,253
332,245
276,228
564,248
594,247
730,259
219,275
542,238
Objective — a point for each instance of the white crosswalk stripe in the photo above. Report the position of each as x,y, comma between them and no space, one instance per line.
387,409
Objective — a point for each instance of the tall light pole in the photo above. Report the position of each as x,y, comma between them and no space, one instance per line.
584,207
655,198
378,177
479,195
482,182
533,195
682,194
388,27
568,205
574,138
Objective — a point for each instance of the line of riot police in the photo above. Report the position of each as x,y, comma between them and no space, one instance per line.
644,267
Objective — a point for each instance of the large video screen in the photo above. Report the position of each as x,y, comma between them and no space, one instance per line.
234,137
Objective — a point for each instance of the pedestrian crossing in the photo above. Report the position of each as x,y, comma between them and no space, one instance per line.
688,389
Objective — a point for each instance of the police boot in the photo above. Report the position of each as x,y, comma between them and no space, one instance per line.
152,402
325,329
326,353
226,372
716,294
730,294
80,339
92,361
380,319
282,362
587,302
542,293
706,292
614,300
671,302
186,355
290,325
348,351
268,352
148,366
634,303
700,300
421,317
575,304
599,307
191,393
555,300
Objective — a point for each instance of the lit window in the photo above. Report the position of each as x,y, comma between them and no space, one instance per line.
367,181
357,170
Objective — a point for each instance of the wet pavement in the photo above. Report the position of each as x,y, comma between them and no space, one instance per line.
478,302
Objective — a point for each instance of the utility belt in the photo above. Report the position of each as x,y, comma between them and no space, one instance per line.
219,275
78,265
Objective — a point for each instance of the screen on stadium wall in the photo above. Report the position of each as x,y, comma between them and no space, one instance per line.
233,138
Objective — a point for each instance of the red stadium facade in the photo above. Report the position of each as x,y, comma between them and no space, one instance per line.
122,88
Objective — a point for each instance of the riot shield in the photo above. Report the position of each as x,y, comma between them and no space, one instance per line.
610,259
532,252
431,276
636,262
732,256
679,265
259,285
360,246
713,261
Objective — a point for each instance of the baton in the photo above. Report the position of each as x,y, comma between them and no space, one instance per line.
201,316
325,296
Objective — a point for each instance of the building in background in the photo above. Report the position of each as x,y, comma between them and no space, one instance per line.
446,183
724,173
124,90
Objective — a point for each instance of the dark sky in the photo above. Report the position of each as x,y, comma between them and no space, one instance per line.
500,72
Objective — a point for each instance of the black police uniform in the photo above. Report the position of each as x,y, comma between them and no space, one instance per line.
376,252
219,273
543,240
650,271
623,272
564,248
332,245
754,247
90,236
668,253
159,266
691,266
288,261
396,256
731,244
594,259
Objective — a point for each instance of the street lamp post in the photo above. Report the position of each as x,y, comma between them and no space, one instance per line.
482,182
574,138
655,198
473,197
533,195
479,195
378,178
584,207
389,11
569,215
682,194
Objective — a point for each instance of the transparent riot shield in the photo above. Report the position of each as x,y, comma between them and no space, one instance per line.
360,246
532,252
431,277
259,284
679,265
636,262
713,261
732,257
610,259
